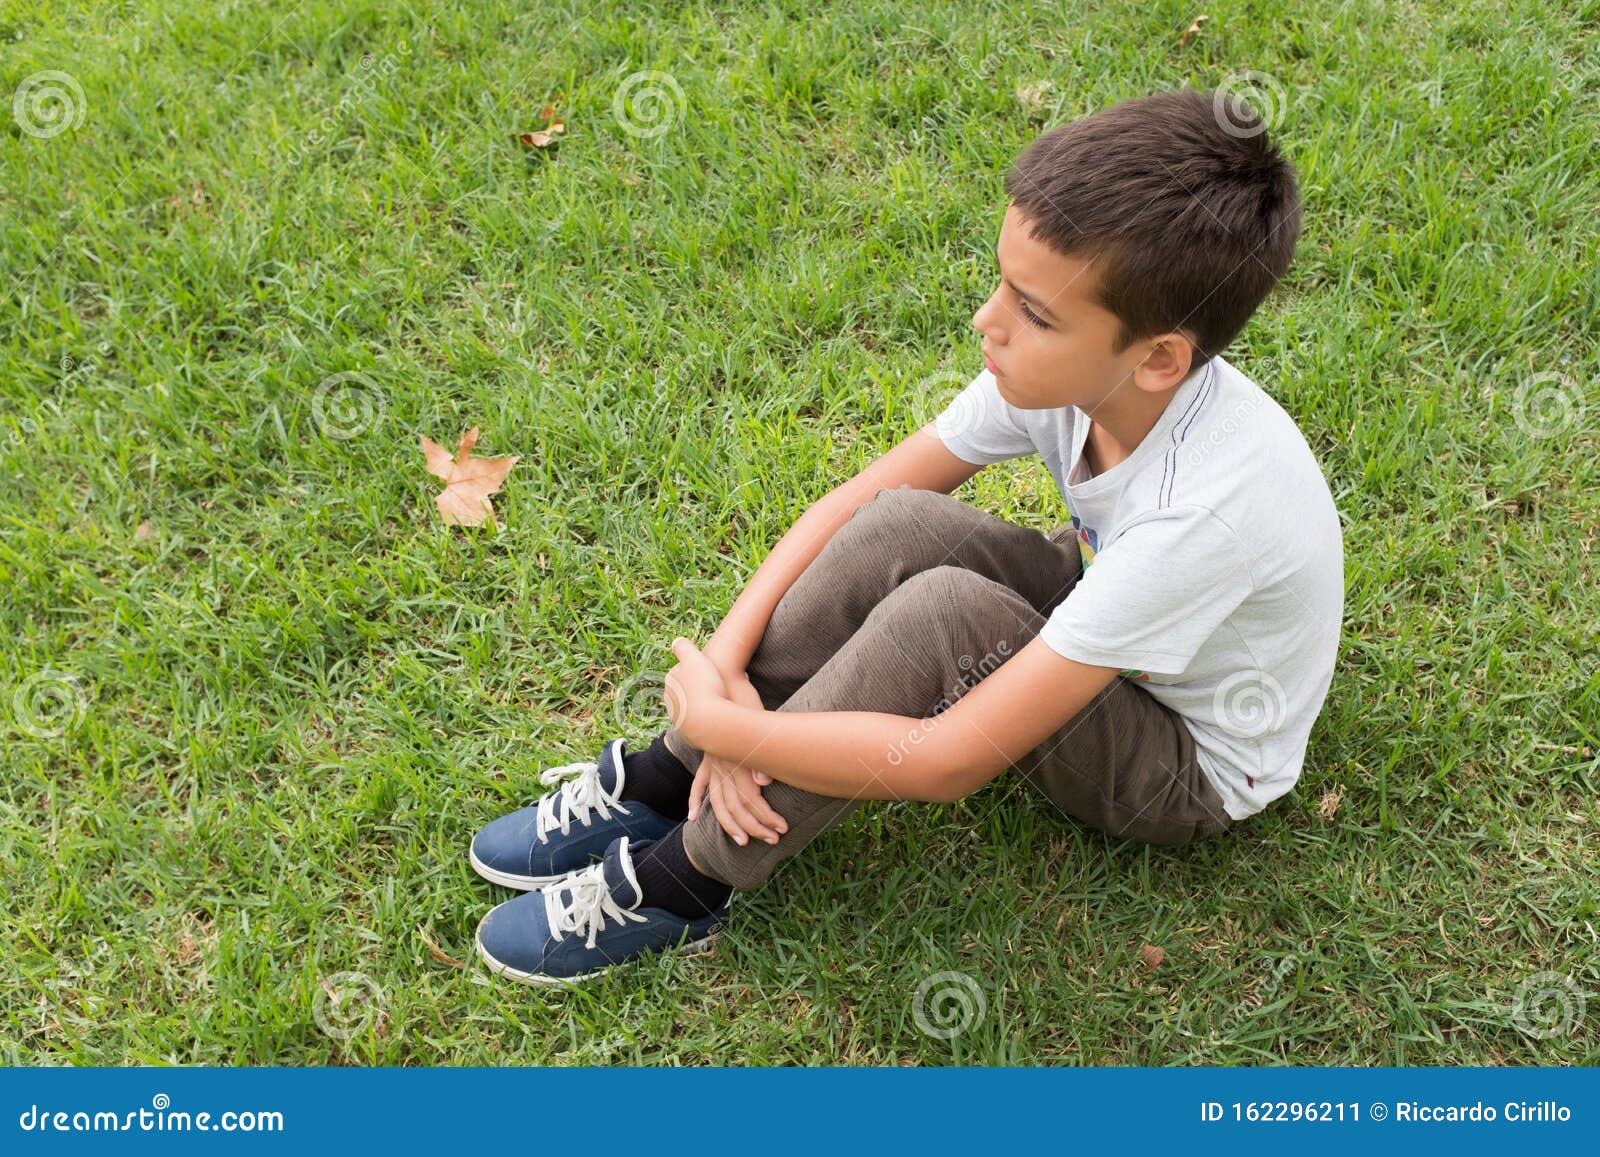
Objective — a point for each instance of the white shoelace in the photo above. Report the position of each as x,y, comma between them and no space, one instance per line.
575,799
588,901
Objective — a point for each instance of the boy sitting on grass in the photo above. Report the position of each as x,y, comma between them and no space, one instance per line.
1154,666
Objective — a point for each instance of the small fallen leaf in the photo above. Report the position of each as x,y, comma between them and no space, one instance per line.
1192,31
541,138
468,481
1152,955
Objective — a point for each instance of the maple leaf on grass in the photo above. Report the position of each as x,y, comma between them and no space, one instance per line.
468,481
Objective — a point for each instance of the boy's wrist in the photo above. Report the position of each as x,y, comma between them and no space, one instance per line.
706,724
724,657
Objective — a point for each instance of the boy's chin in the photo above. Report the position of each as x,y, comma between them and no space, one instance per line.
1012,397
1024,401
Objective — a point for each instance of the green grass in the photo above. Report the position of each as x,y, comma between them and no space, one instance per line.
299,695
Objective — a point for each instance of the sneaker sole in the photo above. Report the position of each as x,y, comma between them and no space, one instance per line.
507,880
544,980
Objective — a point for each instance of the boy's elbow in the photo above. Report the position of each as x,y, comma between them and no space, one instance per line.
958,777
947,785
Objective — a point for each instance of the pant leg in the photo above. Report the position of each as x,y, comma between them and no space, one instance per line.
899,533
1126,764
929,641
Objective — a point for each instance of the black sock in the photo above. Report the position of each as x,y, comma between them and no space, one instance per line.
668,880
657,778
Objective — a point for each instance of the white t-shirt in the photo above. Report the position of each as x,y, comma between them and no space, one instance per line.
1213,565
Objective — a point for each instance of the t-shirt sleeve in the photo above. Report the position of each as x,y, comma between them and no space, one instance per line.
981,427
1153,595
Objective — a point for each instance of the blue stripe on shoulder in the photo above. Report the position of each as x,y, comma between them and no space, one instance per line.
1169,465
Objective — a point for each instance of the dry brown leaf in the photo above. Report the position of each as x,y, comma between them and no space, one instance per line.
1192,31
1152,955
468,481
542,137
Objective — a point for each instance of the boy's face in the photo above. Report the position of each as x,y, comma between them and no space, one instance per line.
1067,360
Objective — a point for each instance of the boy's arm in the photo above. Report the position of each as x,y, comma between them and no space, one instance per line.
873,755
920,460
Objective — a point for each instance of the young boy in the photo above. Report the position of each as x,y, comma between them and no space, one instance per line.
1154,666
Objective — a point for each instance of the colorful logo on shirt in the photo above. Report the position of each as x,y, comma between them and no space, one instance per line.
1139,675
1088,541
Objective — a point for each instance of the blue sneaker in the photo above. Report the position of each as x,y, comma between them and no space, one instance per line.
568,828
577,928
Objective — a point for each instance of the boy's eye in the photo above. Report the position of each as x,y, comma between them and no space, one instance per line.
1032,320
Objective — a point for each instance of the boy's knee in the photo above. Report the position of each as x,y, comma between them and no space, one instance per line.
941,587
895,510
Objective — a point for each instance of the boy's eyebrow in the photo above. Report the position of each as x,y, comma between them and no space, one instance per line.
1038,306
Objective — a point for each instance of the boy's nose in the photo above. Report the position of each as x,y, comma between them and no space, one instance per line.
980,322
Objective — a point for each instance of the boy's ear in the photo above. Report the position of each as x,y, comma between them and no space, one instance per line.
1166,361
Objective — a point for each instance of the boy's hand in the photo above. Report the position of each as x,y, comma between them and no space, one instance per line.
734,790
690,686
736,801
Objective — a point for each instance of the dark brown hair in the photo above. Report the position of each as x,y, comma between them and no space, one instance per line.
1178,201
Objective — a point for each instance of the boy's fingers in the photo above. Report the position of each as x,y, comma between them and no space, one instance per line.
762,778
719,806
766,813
751,822
697,790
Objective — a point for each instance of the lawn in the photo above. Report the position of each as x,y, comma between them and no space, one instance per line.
256,698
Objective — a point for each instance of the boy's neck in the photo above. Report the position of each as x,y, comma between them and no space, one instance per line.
1120,422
